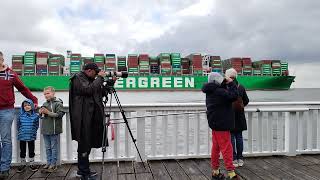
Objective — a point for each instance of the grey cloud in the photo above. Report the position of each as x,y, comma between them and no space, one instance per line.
260,29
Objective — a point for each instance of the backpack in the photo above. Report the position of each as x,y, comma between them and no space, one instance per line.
238,105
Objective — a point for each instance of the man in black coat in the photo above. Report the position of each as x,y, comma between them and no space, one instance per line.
240,121
87,114
220,94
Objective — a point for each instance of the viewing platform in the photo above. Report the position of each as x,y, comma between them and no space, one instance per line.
282,142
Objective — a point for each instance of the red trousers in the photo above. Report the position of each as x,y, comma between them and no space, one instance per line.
221,142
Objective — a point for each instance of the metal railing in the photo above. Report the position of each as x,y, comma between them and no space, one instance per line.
176,131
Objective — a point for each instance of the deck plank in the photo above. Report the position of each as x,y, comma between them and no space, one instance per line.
300,160
23,175
125,167
71,175
126,177
254,165
204,167
62,171
289,166
158,170
191,169
110,171
275,167
315,159
174,170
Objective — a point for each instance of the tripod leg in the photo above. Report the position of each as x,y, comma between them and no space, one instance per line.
128,127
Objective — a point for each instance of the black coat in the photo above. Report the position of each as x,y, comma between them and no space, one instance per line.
219,105
240,118
86,110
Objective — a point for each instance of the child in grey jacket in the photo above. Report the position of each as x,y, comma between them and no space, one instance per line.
51,112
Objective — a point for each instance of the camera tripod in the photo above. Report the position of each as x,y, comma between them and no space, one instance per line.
108,122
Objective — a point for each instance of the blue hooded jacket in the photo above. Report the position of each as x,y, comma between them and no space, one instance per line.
28,123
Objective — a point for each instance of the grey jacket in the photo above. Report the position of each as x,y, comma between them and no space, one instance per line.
52,122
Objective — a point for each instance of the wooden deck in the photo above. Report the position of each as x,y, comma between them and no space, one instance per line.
276,167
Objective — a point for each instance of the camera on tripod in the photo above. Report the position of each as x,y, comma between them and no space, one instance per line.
110,79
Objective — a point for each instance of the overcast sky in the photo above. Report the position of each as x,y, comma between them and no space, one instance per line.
283,29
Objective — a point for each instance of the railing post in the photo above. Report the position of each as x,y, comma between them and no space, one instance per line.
69,138
291,134
141,136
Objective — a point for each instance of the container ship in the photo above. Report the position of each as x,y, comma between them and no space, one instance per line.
166,71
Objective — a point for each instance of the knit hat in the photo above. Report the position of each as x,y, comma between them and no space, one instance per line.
232,73
215,77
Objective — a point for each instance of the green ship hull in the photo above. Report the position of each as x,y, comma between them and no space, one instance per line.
61,83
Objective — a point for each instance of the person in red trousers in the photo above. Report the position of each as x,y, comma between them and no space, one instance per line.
220,93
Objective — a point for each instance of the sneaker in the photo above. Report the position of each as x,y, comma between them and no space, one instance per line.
240,162
46,166
235,163
4,174
34,168
236,177
82,175
218,177
21,168
51,169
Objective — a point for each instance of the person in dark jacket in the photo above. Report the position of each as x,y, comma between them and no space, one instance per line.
87,114
240,122
27,125
8,81
220,93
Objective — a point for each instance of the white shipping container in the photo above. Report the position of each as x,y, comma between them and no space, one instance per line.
42,60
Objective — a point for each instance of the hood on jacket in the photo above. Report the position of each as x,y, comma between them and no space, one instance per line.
32,106
210,87
215,78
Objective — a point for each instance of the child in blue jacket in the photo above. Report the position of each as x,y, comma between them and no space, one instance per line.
28,124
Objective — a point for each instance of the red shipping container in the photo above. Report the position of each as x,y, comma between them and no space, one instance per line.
98,54
41,66
144,56
166,65
42,55
54,68
111,65
266,61
215,57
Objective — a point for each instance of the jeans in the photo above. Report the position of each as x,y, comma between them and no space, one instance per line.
6,118
237,144
51,143
23,149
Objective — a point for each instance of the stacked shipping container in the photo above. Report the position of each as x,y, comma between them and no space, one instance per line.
75,63
215,64
110,62
133,64
29,63
154,65
122,63
185,65
196,62
17,64
144,65
176,63
165,63
99,60
45,63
